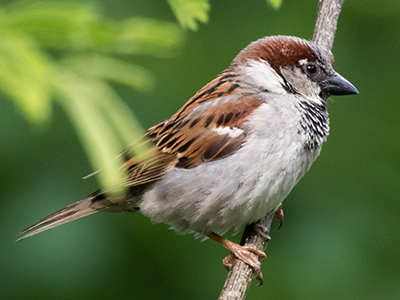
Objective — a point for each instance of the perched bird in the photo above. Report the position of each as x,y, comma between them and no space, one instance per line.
234,151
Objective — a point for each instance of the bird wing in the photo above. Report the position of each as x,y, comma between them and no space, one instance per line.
208,127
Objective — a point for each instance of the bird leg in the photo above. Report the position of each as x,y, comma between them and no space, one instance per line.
244,253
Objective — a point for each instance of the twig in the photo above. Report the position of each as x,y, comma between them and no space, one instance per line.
257,234
326,24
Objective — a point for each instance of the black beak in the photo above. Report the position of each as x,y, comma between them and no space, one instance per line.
337,85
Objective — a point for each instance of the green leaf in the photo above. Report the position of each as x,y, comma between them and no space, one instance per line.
80,98
188,11
25,76
147,36
104,123
80,27
77,72
108,68
275,3
54,24
125,125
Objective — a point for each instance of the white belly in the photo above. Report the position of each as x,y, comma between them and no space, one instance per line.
239,189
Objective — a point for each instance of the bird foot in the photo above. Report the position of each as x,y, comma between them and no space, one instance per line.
246,254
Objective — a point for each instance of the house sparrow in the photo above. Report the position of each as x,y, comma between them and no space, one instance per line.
234,151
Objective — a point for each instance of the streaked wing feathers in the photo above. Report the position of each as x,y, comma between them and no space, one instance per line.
194,135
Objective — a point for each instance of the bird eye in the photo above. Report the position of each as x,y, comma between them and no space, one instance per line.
311,68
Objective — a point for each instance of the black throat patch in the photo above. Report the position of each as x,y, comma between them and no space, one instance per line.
315,122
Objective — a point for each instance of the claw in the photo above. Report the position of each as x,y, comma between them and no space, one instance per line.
259,277
262,231
279,215
228,261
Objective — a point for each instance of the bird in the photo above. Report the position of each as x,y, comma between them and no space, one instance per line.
233,151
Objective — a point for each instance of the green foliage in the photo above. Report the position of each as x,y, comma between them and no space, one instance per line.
25,72
275,3
65,52
188,11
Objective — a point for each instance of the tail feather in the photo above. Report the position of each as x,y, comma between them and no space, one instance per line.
70,213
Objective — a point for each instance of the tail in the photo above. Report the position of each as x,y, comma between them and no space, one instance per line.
90,205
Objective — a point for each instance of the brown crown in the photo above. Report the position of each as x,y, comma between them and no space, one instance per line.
279,51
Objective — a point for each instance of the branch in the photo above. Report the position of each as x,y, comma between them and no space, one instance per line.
326,24
257,234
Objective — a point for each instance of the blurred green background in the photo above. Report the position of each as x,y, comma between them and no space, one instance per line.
340,239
